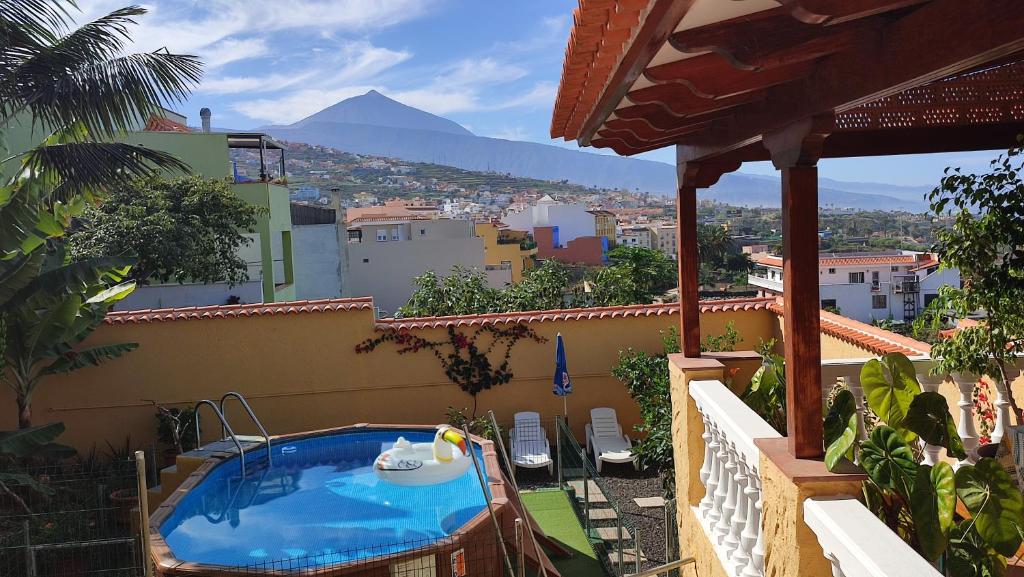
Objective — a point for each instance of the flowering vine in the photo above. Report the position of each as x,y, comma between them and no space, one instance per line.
985,409
465,358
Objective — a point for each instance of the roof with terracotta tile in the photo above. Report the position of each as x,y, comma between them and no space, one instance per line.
926,264
872,338
229,311
158,123
839,260
725,305
601,34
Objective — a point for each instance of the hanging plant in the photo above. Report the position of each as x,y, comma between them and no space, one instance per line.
465,359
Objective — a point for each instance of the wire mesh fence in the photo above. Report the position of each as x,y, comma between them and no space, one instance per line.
76,519
480,553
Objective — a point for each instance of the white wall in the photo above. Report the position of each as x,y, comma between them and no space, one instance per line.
317,261
191,295
572,220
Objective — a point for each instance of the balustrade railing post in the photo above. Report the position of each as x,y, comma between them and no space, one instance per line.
1002,407
714,494
740,556
731,505
722,492
709,471
930,384
966,428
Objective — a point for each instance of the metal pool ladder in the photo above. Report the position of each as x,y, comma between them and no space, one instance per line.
226,430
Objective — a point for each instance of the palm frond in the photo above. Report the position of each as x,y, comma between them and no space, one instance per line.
37,17
107,95
72,278
74,360
73,168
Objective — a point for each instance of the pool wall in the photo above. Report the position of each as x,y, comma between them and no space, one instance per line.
476,538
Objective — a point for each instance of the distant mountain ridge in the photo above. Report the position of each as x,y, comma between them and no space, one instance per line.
376,125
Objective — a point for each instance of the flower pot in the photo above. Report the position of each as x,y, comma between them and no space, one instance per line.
124,501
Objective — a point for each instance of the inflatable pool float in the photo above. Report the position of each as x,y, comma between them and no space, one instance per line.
417,464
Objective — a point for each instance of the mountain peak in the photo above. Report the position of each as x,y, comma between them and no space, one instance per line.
376,109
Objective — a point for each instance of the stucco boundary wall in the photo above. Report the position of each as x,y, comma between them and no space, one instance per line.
297,365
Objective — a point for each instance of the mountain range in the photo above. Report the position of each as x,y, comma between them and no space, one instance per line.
374,124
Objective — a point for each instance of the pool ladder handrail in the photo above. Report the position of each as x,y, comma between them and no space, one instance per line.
225,426
252,415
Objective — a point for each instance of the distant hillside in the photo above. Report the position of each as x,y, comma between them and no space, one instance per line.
376,125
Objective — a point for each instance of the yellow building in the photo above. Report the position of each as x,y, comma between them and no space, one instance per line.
604,224
504,247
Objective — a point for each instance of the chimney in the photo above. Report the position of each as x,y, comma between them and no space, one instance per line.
205,114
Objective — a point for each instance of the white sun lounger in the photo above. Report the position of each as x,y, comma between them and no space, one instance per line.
529,443
606,441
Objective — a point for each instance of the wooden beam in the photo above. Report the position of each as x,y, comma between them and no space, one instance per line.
660,21
912,50
836,11
802,305
708,76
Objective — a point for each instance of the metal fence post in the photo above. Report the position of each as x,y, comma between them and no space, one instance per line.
520,550
586,496
618,526
30,555
140,477
558,449
636,548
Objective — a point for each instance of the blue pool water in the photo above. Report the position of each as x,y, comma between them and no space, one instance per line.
319,504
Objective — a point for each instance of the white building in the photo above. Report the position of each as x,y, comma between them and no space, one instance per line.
572,220
866,286
640,236
384,254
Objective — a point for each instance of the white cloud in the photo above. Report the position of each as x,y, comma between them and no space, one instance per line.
232,50
541,95
511,133
296,105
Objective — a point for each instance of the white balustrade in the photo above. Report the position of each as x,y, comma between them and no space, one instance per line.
1002,407
968,434
857,544
730,511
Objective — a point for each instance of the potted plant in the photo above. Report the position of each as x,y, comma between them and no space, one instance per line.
176,431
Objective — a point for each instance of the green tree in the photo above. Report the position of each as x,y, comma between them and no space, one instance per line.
79,90
541,288
636,276
986,243
463,291
187,228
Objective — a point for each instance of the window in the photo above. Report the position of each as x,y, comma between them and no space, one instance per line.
879,302
396,234
423,231
828,304
856,277
895,269
366,260
831,271
929,298
382,235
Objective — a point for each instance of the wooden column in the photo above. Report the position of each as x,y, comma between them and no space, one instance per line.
689,266
691,176
795,151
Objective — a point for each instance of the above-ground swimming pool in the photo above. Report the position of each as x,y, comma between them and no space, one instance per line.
319,504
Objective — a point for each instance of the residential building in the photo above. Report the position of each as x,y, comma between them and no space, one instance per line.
604,223
572,220
269,255
318,241
866,286
588,250
383,255
506,248
641,236
666,233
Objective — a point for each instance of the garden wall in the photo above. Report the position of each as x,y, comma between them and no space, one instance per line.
296,362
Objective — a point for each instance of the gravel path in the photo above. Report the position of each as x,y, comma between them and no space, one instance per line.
626,484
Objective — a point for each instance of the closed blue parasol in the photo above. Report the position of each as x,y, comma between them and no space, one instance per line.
563,384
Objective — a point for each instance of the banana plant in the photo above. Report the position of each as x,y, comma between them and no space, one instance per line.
45,321
22,444
919,501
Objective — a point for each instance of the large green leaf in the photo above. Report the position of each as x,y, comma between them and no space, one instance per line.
996,506
888,460
932,502
840,429
25,442
930,418
969,556
890,385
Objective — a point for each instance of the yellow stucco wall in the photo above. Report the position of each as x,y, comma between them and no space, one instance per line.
300,373
495,253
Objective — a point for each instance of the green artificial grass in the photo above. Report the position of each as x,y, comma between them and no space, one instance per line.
553,512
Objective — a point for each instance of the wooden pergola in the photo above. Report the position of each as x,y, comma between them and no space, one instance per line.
790,81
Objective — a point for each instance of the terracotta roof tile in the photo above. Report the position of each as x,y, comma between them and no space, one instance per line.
229,311
162,124
571,314
772,260
872,338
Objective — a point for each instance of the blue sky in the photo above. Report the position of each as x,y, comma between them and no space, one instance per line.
492,66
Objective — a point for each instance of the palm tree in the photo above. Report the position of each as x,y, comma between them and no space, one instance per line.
80,90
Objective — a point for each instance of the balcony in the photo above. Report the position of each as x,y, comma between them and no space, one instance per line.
774,285
906,284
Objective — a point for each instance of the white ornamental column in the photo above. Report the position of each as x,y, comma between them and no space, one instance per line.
968,433
1002,406
741,556
710,464
930,384
713,507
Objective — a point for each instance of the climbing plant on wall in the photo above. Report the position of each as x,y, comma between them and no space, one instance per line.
465,359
